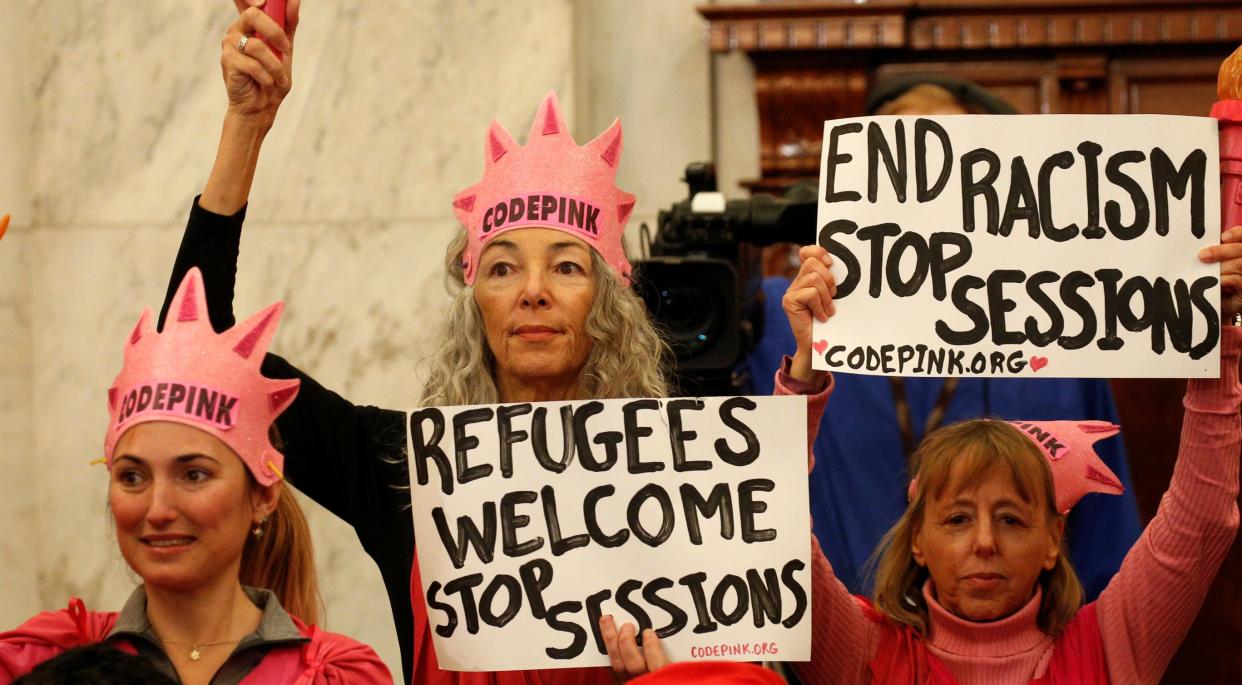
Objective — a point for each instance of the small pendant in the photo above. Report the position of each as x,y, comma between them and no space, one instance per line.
194,655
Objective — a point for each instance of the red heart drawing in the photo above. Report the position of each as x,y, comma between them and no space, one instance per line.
1038,363
819,346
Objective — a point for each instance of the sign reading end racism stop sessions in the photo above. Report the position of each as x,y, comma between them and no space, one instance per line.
688,516
1021,246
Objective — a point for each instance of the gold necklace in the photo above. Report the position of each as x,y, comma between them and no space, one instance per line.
195,654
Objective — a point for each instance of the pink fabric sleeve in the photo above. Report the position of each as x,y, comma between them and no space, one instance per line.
1150,604
843,639
48,635
335,659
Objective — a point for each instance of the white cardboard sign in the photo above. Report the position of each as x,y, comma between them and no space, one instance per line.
1021,246
690,516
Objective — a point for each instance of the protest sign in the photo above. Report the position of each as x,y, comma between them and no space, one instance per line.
1021,246
689,516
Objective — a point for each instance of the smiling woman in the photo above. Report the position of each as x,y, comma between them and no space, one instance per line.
200,513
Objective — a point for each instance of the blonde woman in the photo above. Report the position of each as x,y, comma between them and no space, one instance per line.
228,588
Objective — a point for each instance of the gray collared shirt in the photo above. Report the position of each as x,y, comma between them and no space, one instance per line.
275,629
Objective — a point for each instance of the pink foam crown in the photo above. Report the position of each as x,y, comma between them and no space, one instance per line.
550,182
1069,447
191,375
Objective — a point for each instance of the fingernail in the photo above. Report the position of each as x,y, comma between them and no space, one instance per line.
1205,254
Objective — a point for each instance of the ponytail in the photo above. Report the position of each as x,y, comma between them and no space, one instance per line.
283,560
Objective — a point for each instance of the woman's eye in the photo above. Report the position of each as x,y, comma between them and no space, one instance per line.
197,475
129,477
957,519
568,268
500,269
1011,520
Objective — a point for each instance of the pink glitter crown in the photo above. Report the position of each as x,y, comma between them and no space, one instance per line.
1069,447
550,182
188,374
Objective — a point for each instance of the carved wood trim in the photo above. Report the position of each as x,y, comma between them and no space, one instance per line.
967,24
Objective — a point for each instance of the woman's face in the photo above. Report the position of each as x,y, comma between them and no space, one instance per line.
183,504
535,287
985,547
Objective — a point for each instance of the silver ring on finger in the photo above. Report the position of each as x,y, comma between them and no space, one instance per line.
241,44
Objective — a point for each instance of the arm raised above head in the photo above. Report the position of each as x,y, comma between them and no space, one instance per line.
1151,603
843,638
256,80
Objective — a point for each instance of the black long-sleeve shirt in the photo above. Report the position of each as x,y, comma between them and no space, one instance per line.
349,458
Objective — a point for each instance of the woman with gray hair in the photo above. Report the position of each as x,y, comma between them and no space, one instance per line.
543,311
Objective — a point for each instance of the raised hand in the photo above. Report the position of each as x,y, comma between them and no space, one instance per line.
809,299
255,79
256,82
1229,255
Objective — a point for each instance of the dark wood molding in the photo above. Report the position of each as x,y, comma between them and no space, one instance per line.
817,60
968,24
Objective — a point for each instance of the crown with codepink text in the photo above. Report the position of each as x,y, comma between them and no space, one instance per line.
551,182
190,374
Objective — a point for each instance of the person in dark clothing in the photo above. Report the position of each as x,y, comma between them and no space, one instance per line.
542,311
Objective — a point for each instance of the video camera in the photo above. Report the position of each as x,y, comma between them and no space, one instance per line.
702,281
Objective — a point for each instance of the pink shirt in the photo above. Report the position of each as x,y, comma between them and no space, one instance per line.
1143,614
316,658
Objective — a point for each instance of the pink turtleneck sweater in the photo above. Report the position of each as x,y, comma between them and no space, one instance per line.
1143,614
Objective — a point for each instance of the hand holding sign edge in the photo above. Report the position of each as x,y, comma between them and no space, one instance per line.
1229,255
625,657
809,299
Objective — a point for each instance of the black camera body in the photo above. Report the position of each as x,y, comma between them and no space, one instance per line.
702,282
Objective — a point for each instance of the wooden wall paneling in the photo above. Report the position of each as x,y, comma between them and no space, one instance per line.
1163,85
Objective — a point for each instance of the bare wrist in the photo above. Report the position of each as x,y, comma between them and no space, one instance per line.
246,127
801,371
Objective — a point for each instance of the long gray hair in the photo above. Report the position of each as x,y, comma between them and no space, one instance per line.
628,356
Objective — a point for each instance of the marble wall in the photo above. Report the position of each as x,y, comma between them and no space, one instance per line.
19,568
109,116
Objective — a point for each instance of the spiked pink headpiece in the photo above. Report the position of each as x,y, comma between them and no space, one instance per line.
191,375
550,182
1069,447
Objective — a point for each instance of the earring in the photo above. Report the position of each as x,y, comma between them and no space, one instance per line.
258,528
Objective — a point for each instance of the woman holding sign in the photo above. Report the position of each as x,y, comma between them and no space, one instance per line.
973,582
202,517
543,311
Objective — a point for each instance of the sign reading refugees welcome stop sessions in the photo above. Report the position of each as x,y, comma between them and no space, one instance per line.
688,516
1021,246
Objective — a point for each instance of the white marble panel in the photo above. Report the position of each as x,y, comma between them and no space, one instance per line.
88,286
16,131
19,545
645,61
390,104
737,122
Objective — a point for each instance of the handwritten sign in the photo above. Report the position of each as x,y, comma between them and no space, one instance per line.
689,516
1021,246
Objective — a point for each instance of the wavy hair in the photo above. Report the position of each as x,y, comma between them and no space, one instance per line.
966,452
628,357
